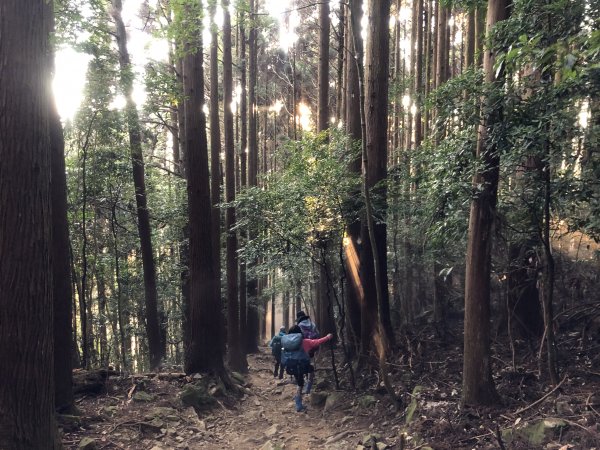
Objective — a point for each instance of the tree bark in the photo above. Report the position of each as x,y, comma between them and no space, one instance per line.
355,296
26,286
215,143
323,72
137,160
375,171
235,359
251,339
341,65
203,348
61,264
478,385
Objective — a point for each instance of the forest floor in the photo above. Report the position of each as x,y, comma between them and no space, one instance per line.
146,412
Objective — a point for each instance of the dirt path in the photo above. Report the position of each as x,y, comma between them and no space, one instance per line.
267,419
146,413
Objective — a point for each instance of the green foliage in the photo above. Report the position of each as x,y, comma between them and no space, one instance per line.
304,205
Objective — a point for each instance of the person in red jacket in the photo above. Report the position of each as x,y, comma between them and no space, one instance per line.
304,367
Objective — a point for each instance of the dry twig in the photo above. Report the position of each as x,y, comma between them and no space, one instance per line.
537,402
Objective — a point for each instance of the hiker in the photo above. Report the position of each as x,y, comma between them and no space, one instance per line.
275,345
308,327
294,356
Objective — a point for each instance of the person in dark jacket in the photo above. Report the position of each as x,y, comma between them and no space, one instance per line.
304,322
275,345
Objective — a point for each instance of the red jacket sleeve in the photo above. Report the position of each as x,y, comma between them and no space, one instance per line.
309,344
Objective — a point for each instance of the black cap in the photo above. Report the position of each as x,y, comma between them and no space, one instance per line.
300,314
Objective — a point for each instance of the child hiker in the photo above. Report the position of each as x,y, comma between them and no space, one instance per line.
275,345
294,357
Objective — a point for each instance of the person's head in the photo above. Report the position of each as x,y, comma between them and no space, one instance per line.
295,329
282,329
300,316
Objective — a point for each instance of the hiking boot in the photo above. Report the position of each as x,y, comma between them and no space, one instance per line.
298,401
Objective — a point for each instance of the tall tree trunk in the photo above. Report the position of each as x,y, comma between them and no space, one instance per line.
286,310
374,257
61,264
137,160
203,343
352,249
340,109
251,339
244,179
470,38
324,306
478,385
441,76
547,279
323,72
235,359
82,287
120,309
26,287
215,142
373,86
102,314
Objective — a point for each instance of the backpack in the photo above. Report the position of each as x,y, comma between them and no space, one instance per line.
276,347
291,342
293,357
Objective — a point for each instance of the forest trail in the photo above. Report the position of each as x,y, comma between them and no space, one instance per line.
153,417
146,412
267,418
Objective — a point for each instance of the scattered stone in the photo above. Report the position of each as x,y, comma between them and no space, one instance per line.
535,433
269,445
257,402
334,400
162,412
324,384
69,422
196,397
217,391
382,446
87,443
238,378
272,431
154,425
142,396
318,399
370,440
367,401
110,410
563,408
